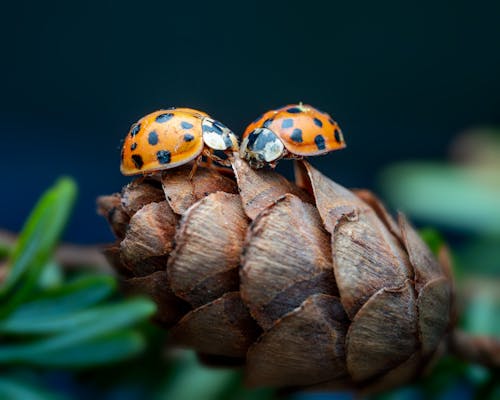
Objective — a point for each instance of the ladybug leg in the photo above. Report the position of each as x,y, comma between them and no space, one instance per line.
209,161
211,156
291,156
227,162
195,167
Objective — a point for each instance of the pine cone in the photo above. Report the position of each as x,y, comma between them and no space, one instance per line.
305,285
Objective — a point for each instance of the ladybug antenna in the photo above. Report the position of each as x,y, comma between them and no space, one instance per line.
302,107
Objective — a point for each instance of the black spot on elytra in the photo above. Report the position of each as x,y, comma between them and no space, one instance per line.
163,156
164,117
252,137
188,137
227,141
219,126
214,127
287,123
318,122
267,122
331,121
320,142
338,136
135,130
258,139
186,125
137,159
296,135
133,146
294,110
153,138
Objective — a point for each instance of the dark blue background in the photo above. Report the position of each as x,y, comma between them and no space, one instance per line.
402,78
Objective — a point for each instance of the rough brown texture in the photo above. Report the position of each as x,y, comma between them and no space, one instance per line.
306,285
261,189
306,346
383,333
182,193
139,193
222,327
285,260
170,307
149,239
111,208
205,262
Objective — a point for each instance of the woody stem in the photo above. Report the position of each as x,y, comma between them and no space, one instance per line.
70,256
482,350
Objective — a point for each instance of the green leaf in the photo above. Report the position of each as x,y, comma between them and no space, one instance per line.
37,241
482,312
433,239
61,301
481,256
51,275
444,375
192,381
98,351
198,383
78,329
253,394
459,197
15,389
490,389
407,393
104,318
5,250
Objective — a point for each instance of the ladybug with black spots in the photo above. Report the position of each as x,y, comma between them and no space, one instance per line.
169,138
290,132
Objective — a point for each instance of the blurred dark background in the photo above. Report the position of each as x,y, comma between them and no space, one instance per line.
402,79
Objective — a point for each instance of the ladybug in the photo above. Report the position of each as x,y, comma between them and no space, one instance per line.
293,131
169,138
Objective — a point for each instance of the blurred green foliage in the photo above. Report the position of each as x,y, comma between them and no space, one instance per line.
60,330
48,320
458,197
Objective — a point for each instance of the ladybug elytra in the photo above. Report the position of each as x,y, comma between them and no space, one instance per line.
169,138
293,131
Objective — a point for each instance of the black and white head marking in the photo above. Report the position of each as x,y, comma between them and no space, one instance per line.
261,147
217,136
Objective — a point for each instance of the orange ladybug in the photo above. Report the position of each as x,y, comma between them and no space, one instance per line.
293,131
169,138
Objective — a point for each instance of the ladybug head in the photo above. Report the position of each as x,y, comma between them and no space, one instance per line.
262,147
